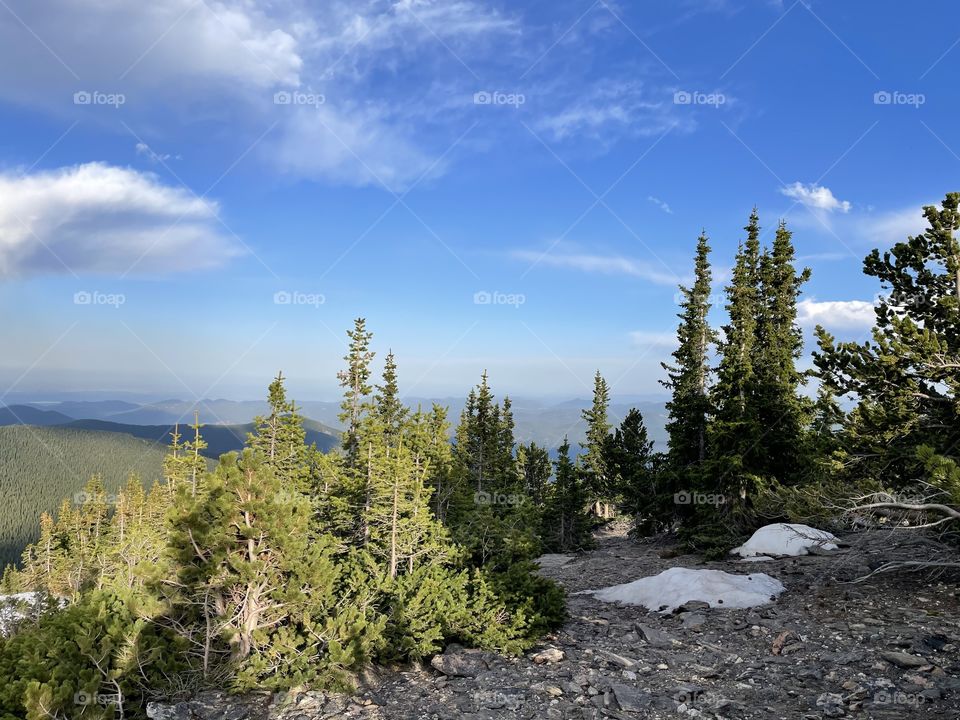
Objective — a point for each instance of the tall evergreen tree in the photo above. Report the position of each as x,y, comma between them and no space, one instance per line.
355,380
629,458
735,430
533,462
566,519
387,403
593,462
688,378
782,412
279,438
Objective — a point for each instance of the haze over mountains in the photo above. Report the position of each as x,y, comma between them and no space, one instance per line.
227,421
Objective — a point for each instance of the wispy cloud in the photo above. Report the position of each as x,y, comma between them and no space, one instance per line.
150,154
601,264
660,204
104,219
616,107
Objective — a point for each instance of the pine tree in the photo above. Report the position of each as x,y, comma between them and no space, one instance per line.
387,404
688,380
629,457
781,412
481,438
195,464
566,519
593,461
355,380
533,462
279,438
905,380
734,432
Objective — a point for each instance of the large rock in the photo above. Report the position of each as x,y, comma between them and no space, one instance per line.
459,662
631,699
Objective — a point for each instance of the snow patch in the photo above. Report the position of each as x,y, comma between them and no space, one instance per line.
785,540
674,587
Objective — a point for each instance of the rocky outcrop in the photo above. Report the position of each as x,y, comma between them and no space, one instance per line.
887,648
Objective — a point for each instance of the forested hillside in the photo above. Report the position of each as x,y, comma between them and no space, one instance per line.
43,465
220,438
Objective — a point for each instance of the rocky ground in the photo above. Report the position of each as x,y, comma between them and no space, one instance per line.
888,647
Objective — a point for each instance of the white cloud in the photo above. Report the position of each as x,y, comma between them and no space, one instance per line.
603,264
168,48
849,314
816,197
660,204
101,218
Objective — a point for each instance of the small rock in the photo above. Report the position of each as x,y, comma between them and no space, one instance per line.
631,699
457,662
693,620
831,705
618,659
903,660
550,655
655,638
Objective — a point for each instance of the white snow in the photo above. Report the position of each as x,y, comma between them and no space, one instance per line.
785,539
674,587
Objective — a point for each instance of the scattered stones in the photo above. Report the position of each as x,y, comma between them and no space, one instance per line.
823,650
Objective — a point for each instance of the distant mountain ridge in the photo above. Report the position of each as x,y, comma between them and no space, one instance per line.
220,438
537,420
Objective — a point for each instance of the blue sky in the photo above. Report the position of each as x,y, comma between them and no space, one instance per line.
195,194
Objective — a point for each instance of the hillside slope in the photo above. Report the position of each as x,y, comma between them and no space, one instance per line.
220,439
43,465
